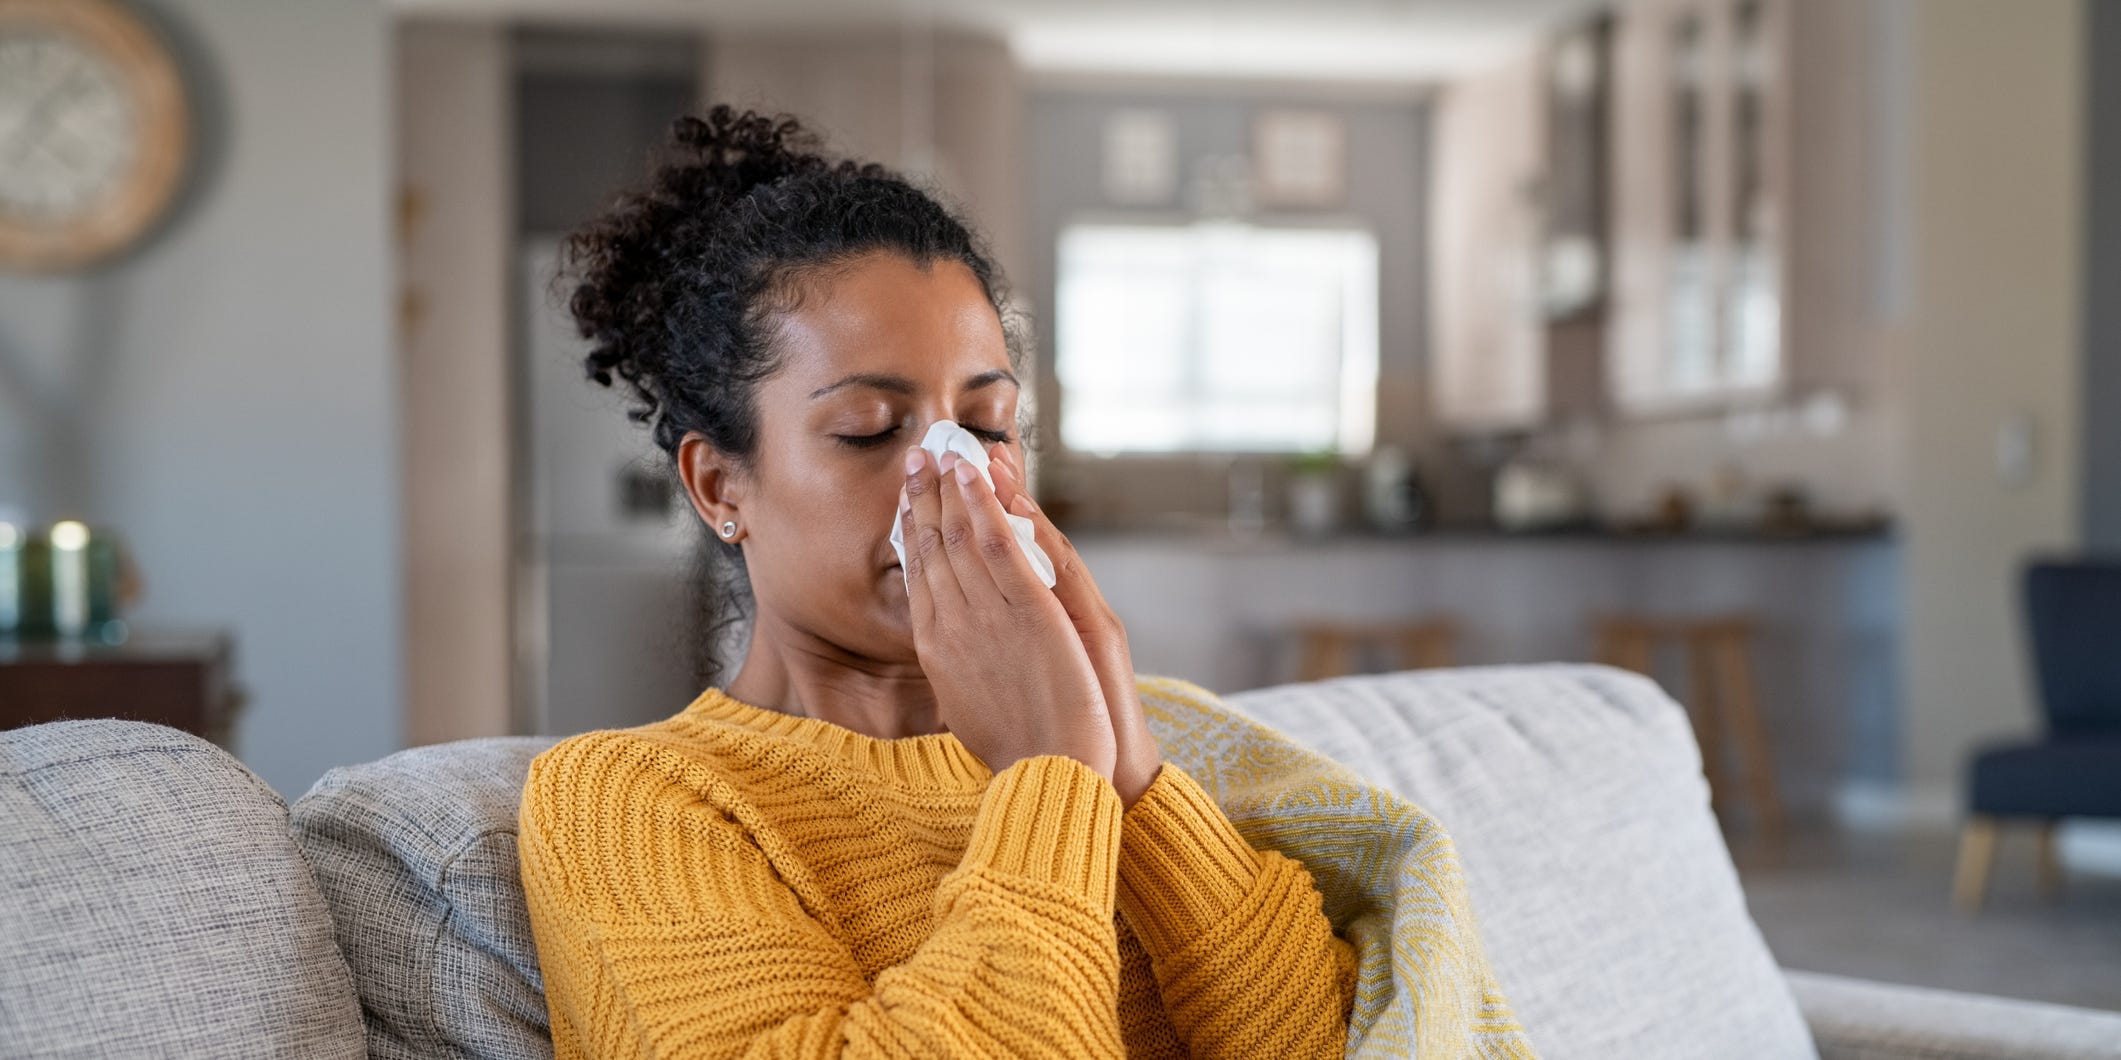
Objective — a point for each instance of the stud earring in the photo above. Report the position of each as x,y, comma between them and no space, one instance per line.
729,528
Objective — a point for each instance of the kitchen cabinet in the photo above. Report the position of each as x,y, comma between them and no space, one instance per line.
1723,233
1518,221
1750,227
1700,123
1486,223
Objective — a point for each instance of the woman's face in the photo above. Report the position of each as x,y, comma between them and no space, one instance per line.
875,352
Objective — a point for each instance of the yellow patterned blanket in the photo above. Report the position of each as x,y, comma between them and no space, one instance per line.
1390,877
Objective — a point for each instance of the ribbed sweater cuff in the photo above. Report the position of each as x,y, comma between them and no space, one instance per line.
1182,864
1050,818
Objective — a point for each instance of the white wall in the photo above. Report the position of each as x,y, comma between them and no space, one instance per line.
229,390
2102,264
1996,216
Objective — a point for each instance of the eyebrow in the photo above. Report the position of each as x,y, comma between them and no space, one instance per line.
898,384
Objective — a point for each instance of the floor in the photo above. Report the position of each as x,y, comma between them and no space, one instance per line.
1878,905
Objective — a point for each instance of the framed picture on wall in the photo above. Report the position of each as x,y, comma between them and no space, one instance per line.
1299,158
1140,157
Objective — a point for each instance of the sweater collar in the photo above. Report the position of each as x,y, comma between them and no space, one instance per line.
936,760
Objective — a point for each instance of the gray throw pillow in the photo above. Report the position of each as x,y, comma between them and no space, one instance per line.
416,854
153,904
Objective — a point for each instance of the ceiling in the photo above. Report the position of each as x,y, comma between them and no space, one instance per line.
1388,42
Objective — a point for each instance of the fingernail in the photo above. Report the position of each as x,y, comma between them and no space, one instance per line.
965,473
914,459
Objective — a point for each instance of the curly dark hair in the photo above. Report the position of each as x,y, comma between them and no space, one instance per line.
677,283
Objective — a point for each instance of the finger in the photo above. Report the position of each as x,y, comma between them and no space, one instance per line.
1015,460
1008,473
1007,483
961,540
1095,622
1007,566
1071,581
925,561
917,596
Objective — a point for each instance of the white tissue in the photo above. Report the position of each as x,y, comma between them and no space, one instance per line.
945,436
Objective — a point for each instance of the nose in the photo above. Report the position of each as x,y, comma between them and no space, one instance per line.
927,426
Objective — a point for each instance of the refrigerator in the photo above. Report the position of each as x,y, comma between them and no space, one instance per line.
604,623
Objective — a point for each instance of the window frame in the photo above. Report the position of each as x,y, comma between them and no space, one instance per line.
1355,432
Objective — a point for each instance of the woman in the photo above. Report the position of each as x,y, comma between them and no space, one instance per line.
926,816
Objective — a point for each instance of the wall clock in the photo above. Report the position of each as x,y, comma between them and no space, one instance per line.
94,132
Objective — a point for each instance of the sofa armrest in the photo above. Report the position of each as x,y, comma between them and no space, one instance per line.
1863,1019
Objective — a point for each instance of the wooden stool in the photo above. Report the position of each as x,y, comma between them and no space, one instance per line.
1720,696
1329,648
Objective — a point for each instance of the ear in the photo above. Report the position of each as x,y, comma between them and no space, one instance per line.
710,483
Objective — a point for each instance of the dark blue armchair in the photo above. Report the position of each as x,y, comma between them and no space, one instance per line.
2073,622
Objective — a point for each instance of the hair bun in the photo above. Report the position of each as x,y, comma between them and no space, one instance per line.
737,151
621,258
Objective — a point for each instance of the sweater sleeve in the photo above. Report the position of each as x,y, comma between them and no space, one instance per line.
664,930
1245,958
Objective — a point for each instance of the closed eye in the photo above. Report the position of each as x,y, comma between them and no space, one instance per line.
871,441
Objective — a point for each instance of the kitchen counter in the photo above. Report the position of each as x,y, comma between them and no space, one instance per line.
1214,533
1221,611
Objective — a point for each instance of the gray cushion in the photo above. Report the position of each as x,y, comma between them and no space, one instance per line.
1608,902
416,854
152,904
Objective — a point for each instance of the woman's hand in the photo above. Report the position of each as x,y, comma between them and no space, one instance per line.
1139,755
1011,677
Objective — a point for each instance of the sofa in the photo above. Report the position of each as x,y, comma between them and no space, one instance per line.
157,899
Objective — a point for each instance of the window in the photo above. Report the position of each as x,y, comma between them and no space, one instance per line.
1216,337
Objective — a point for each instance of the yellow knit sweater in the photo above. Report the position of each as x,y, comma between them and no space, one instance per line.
733,881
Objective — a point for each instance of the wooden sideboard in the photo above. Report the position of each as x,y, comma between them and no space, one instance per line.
180,679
